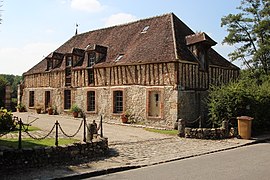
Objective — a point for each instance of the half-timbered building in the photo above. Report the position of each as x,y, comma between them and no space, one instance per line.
158,69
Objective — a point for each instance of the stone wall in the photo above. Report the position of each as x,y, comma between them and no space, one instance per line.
135,101
206,133
40,156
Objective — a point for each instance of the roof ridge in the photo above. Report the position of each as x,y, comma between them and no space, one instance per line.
128,23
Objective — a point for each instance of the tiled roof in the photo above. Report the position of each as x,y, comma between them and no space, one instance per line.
163,41
199,38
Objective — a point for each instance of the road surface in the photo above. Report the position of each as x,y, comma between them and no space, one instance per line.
247,163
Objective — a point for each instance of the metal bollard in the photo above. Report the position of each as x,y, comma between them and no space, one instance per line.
20,134
56,133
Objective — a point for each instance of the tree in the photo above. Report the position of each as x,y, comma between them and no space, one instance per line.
3,83
249,31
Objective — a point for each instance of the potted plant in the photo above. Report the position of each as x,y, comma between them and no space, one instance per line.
20,107
125,116
50,110
38,108
75,110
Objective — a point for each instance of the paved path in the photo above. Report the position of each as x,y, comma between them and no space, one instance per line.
129,146
115,133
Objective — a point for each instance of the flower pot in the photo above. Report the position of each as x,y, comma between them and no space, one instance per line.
38,111
50,111
124,119
75,114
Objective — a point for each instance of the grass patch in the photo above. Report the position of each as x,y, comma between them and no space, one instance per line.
168,132
16,130
30,143
30,128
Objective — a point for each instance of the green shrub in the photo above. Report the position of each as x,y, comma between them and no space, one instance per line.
6,122
250,96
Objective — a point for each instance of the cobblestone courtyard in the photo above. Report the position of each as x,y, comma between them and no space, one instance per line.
136,147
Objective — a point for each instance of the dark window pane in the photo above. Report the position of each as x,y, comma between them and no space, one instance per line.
91,78
31,99
67,99
118,101
91,106
91,59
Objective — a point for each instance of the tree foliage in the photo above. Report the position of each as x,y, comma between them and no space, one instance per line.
3,83
250,33
13,81
6,122
249,96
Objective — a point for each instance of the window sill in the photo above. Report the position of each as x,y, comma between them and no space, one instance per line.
91,112
154,118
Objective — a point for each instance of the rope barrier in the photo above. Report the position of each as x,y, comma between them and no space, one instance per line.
70,136
36,118
194,120
41,137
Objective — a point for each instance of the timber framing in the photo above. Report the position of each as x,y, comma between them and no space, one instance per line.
157,68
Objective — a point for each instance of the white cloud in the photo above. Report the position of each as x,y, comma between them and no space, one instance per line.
119,18
49,30
19,60
86,5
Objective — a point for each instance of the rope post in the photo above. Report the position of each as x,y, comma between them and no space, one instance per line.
20,134
56,133
84,128
101,128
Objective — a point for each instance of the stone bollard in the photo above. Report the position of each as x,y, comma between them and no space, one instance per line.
225,125
181,128
92,130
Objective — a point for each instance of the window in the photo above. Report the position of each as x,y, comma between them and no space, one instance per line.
47,99
91,101
68,71
203,63
69,61
91,78
49,64
117,101
145,29
91,59
31,99
67,99
119,57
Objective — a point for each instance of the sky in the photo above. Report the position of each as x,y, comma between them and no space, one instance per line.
31,29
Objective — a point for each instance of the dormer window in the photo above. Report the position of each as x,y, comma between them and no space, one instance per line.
91,59
96,54
78,56
69,61
54,60
49,64
119,57
199,44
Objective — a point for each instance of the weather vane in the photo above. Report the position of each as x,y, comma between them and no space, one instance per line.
76,32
